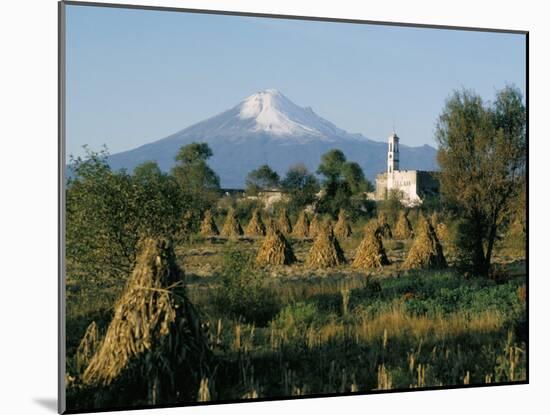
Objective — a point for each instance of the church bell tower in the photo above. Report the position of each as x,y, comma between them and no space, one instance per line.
393,153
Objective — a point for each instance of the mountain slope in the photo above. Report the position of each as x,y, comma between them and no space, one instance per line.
268,128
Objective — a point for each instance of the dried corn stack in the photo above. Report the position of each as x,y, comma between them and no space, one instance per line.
87,347
314,226
155,335
275,250
271,226
283,222
231,227
342,229
301,227
371,252
256,226
403,228
326,251
385,227
208,226
426,251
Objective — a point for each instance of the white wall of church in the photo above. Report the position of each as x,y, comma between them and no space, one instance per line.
405,182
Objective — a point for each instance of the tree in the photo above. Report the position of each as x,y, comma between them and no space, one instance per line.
301,186
482,155
198,181
355,178
263,178
101,209
109,211
342,180
161,202
331,165
147,171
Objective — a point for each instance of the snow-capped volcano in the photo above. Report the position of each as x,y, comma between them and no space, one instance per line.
268,128
271,114
275,114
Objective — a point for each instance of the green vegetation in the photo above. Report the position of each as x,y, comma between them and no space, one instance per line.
339,331
263,178
242,294
344,185
108,212
482,155
304,312
301,187
198,182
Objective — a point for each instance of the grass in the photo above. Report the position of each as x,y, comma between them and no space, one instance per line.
338,330
381,338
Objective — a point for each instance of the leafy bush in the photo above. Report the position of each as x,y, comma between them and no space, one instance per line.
242,294
298,315
109,211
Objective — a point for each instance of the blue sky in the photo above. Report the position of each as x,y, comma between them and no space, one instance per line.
135,76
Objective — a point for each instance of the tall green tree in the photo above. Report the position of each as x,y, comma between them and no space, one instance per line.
355,178
482,155
331,166
301,186
199,183
260,179
342,180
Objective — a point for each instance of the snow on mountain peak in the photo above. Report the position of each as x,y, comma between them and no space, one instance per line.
276,114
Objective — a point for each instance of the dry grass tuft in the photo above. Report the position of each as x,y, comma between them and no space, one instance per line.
326,251
231,227
426,251
371,252
275,250
208,226
342,229
256,226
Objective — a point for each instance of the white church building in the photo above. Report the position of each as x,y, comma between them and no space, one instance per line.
413,186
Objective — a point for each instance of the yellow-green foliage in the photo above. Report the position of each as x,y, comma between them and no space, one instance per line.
440,227
426,251
186,224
